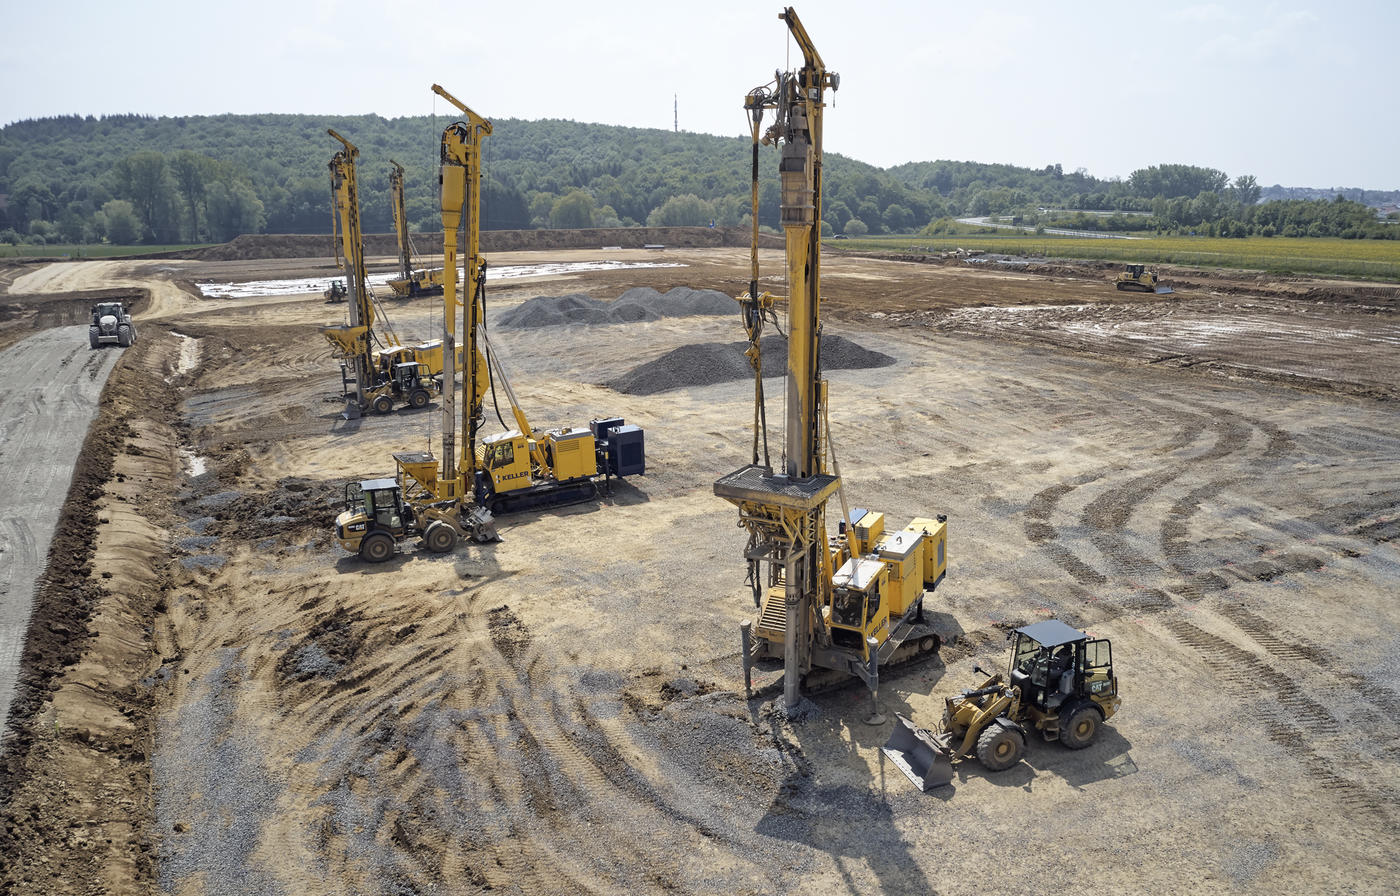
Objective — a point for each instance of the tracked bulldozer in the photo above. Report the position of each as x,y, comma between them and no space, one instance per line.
1059,682
1137,278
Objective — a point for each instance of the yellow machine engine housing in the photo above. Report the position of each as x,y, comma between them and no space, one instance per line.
571,453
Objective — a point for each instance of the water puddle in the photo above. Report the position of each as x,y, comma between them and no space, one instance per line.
379,282
194,464
188,359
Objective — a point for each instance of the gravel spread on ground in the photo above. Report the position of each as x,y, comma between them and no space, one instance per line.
636,304
704,364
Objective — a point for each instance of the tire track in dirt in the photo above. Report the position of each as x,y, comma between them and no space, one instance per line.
1041,531
1293,720
480,738
1282,643
572,771
1109,513
535,770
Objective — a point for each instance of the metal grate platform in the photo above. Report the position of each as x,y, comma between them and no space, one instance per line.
757,485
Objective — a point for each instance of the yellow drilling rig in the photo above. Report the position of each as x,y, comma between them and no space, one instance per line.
410,283
512,470
372,378
845,604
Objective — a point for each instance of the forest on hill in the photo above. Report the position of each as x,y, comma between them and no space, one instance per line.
127,179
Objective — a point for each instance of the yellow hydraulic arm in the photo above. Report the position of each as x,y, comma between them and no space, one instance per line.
537,454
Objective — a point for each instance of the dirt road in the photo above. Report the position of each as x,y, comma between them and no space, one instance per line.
53,381
563,712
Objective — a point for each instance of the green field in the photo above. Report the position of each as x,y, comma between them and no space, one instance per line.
1362,259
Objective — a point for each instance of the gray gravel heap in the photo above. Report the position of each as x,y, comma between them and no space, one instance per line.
637,304
707,363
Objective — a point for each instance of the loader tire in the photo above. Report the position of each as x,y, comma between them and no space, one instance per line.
376,547
418,398
1080,726
999,747
439,538
383,404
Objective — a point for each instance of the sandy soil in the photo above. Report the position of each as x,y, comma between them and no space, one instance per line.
1207,479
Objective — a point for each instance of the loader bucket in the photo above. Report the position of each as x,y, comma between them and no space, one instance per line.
913,750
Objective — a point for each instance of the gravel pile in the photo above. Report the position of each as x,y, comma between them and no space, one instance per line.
637,304
705,364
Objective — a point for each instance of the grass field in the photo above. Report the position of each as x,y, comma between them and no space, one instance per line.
1362,259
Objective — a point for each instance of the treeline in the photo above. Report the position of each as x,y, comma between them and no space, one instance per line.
138,179
1165,199
196,179
1211,214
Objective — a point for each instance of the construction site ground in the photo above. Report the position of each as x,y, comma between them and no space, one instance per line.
1207,478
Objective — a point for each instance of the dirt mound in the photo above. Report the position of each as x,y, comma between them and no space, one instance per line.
636,304
705,364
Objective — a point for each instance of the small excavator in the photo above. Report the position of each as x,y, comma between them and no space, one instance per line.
372,379
829,606
1059,681
410,283
513,470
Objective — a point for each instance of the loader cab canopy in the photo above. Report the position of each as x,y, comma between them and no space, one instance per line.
1053,662
1051,633
378,493
381,497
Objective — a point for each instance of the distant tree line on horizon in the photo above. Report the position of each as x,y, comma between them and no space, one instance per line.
130,179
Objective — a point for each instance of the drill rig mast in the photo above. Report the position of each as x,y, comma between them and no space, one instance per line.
418,472
850,603
409,283
352,342
422,500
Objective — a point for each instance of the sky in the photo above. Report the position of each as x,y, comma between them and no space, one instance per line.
1296,92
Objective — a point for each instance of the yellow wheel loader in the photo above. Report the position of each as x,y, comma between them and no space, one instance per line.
377,517
1137,278
1059,682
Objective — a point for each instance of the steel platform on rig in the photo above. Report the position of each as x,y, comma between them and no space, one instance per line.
759,485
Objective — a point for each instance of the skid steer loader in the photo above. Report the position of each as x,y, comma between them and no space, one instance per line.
1059,682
